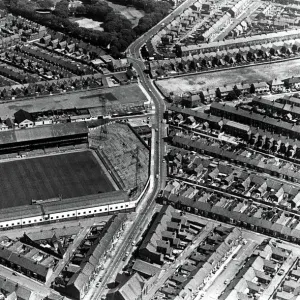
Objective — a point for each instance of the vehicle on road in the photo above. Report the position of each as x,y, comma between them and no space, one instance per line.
133,243
281,272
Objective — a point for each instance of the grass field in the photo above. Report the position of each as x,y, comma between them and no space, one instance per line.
213,80
71,175
130,13
88,23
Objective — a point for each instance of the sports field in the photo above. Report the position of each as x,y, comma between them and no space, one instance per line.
71,175
129,12
88,23
213,80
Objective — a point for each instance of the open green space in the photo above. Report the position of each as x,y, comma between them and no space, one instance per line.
129,12
70,175
213,80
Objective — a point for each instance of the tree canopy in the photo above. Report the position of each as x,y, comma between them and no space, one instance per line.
118,31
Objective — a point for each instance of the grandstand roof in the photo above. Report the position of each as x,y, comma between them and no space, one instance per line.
27,211
42,132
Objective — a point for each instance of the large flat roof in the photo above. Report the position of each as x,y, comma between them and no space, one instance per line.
42,132
115,97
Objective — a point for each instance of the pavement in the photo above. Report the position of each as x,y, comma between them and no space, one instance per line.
228,271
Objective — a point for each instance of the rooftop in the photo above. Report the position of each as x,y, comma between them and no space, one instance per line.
42,132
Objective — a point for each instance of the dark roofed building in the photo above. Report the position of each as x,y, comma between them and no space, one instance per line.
23,118
145,269
130,289
24,264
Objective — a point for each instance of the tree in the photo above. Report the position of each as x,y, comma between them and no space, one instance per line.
62,9
218,93
80,10
237,91
252,88
114,51
202,98
231,96
45,4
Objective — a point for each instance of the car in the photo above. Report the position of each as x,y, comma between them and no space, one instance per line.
133,243
149,90
280,272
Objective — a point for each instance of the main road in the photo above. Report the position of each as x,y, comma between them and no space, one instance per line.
158,169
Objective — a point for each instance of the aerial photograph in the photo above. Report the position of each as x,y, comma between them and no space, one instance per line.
150,149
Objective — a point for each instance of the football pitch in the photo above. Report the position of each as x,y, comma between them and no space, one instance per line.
70,175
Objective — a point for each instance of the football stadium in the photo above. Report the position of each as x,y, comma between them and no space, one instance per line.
49,173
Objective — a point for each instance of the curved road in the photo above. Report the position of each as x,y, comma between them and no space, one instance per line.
158,171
